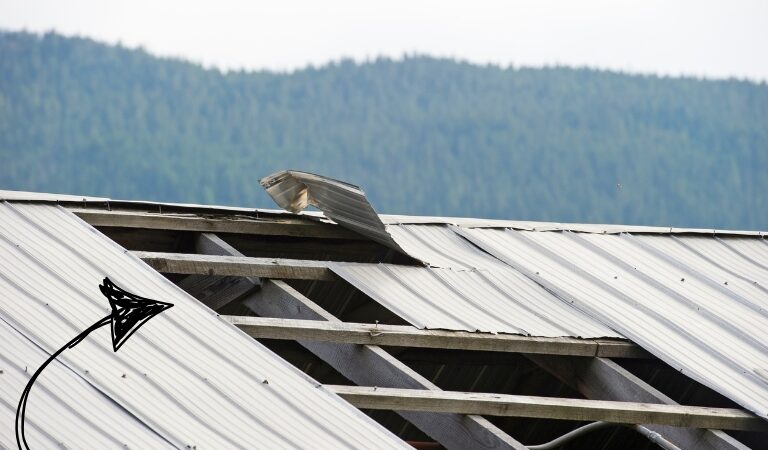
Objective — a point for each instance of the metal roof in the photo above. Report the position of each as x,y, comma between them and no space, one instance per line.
187,378
703,315
694,298
465,289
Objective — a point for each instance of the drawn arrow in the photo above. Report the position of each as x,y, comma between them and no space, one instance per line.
129,312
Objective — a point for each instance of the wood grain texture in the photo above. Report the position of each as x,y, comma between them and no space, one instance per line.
242,266
408,336
222,224
549,408
603,379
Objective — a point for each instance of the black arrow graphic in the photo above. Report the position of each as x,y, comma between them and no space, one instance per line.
129,312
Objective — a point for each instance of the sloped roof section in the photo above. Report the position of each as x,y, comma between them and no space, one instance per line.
699,304
186,379
465,288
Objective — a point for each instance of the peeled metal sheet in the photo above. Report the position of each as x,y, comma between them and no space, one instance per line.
187,377
669,300
341,202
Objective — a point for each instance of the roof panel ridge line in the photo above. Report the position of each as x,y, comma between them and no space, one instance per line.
429,245
660,353
388,271
524,306
435,274
692,305
457,232
717,264
693,273
738,252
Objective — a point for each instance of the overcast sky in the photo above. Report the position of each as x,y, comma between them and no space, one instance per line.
701,38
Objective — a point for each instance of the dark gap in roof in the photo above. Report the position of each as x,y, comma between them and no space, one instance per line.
393,422
686,391
672,383
505,373
346,302
307,248
306,361
151,240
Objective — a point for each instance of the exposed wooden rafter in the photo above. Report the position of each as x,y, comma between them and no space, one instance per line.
367,364
408,336
241,266
288,226
549,408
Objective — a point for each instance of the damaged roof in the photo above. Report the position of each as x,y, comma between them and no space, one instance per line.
706,316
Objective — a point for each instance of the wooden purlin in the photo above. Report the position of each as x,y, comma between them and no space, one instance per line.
368,364
408,336
549,408
604,379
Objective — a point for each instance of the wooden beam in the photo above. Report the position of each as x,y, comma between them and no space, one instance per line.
369,364
217,292
549,408
241,266
603,379
289,226
408,336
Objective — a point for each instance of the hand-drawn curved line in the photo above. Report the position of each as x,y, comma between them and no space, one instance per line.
129,313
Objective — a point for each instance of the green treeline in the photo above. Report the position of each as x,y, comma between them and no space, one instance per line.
421,136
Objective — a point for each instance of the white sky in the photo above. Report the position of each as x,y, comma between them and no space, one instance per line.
701,38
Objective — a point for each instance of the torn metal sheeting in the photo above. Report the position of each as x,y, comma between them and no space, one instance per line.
341,202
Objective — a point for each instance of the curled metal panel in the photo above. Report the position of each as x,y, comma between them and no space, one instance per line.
188,376
341,202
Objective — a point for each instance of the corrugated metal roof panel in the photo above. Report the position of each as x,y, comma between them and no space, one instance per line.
464,288
53,399
342,202
438,246
496,301
668,302
190,377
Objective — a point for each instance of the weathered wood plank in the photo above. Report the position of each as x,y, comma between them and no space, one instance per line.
408,336
282,269
603,379
549,408
226,224
369,364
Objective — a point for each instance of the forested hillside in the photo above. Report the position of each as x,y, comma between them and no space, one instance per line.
421,135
